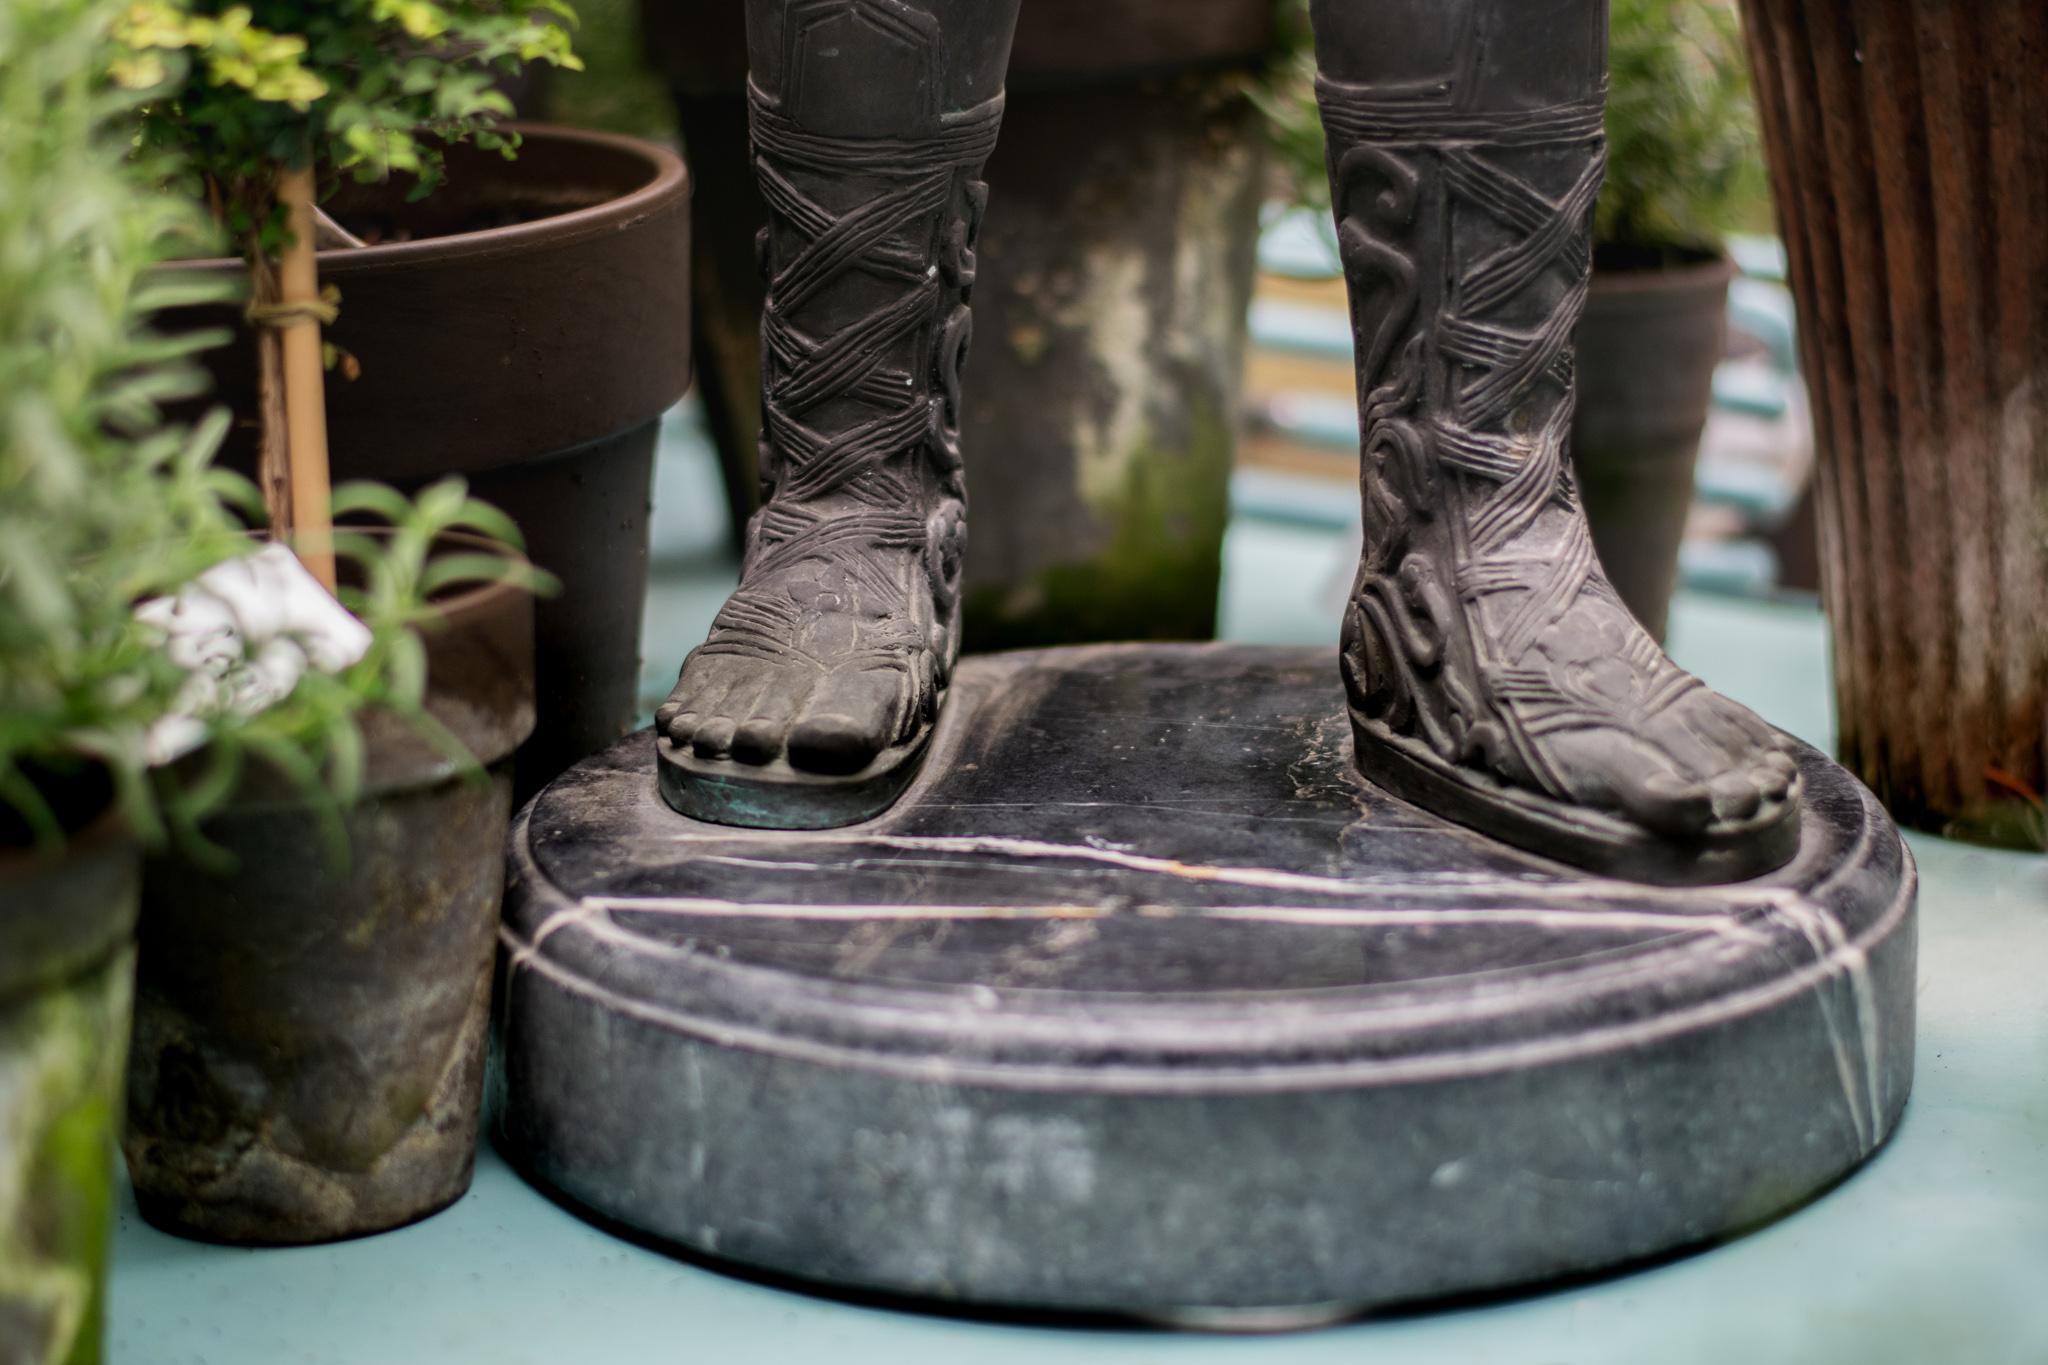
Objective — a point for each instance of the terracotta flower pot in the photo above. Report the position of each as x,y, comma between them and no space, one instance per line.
67,969
309,1039
1646,351
524,326
1115,267
1906,151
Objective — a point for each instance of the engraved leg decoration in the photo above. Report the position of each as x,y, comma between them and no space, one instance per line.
812,699
1494,676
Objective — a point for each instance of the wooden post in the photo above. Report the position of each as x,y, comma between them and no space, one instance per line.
305,398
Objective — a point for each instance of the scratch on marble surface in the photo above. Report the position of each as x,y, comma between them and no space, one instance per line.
714,908
1269,879
519,952
1733,925
1832,949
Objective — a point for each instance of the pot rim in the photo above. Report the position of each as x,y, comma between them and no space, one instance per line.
1703,273
671,181
469,607
20,863
465,604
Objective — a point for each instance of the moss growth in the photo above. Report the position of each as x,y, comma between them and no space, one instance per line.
1157,573
62,1058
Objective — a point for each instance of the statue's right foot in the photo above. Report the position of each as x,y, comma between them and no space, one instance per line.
813,699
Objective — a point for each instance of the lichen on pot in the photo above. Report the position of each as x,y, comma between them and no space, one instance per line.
66,978
308,1053
309,1034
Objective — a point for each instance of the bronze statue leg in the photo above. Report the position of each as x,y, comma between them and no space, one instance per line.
1493,674
811,700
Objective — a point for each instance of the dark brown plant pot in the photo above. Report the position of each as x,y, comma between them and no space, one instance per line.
527,332
309,1041
1086,40
1646,351
1906,152
1115,265
701,45
67,973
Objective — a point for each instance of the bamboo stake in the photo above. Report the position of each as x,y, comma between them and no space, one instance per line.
273,450
305,396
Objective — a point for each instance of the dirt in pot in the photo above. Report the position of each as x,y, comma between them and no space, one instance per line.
76,795
376,225
1623,257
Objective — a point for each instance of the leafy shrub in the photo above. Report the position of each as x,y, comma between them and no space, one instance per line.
358,87
1683,163
103,505
1682,151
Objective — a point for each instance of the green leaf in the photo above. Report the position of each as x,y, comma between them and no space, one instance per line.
445,571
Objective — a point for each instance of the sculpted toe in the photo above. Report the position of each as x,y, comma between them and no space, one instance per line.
834,742
1668,804
759,740
713,738
1736,796
1774,775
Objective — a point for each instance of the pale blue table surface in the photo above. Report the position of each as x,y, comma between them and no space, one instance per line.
1935,1254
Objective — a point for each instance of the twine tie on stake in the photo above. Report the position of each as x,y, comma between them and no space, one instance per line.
281,314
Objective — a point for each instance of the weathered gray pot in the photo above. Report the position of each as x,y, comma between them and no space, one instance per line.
309,1039
1114,270
67,966
1647,347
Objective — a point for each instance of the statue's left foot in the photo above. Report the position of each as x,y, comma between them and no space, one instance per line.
1494,676
1590,746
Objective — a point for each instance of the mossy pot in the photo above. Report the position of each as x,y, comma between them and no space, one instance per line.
1646,348
1102,393
67,965
309,1039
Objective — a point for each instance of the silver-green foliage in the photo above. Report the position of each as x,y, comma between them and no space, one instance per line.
101,503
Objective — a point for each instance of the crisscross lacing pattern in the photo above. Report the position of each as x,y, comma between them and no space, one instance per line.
898,236
1510,478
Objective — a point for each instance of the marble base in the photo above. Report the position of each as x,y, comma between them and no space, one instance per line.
1140,1000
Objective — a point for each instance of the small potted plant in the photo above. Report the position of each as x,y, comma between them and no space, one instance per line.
1682,162
316,947
101,505
522,321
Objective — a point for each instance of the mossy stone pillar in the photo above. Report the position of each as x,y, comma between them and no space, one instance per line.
1115,271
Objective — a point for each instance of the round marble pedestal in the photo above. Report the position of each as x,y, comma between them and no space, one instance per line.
1141,1001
